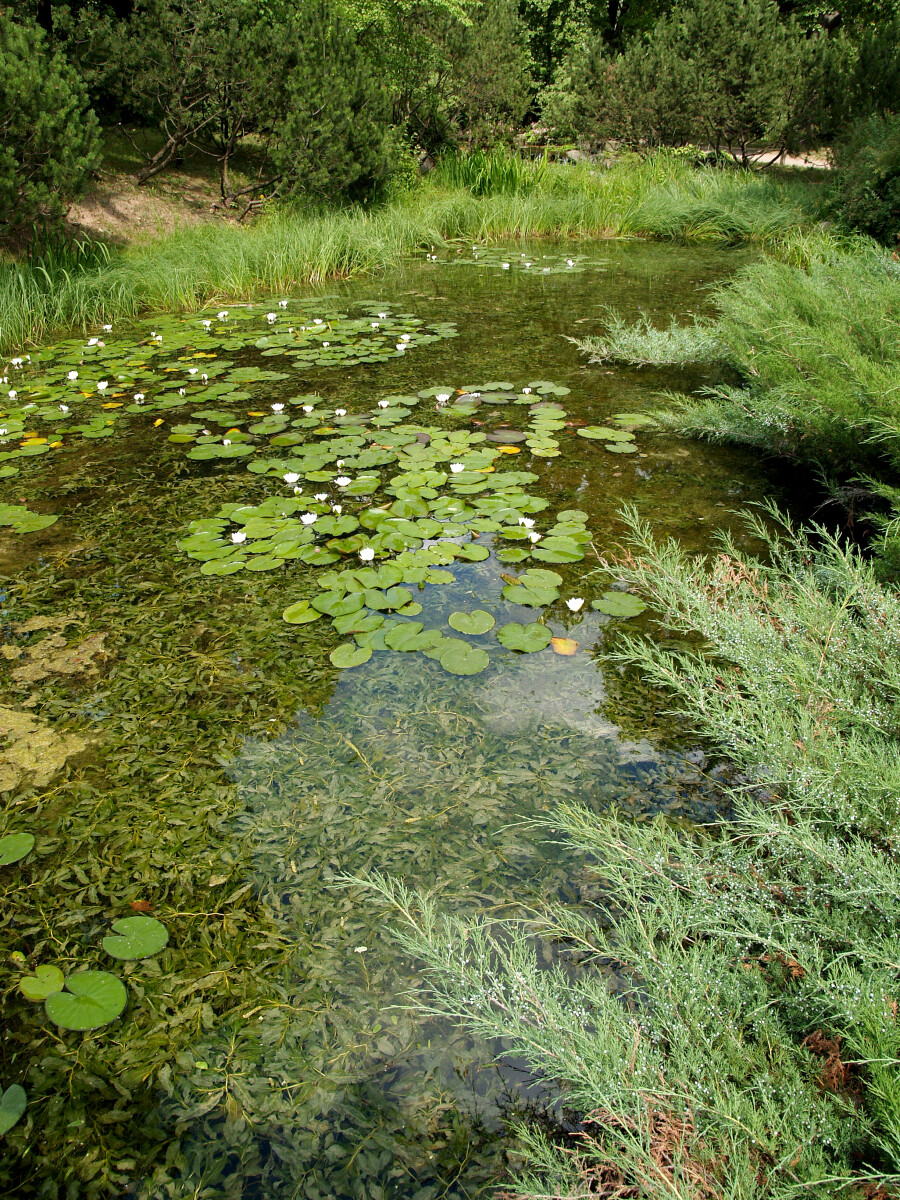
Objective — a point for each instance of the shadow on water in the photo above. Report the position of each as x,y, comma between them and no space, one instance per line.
334,1085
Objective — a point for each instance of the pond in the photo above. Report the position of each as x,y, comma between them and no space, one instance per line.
322,599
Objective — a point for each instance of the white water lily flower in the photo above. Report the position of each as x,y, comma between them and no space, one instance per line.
320,496
384,404
526,391
456,468
205,432
339,463
107,328
3,432
574,603
270,317
237,538
205,378
139,396
90,342
569,263
226,441
297,491
405,337
17,362
72,375
308,518
401,346
382,315
290,477
64,408
326,343
337,508
282,303
342,480
277,408
318,321
182,392
535,537
528,522
505,266
307,408
367,554
13,393
102,385
376,325
443,397
193,370
207,324
528,264
223,315
340,412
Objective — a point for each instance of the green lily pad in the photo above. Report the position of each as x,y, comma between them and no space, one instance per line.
336,604
136,937
347,655
472,623
471,552
459,658
43,983
527,638
410,636
93,998
15,846
619,604
602,433
13,1103
530,596
620,447
300,613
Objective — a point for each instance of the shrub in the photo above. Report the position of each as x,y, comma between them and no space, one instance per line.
48,134
867,190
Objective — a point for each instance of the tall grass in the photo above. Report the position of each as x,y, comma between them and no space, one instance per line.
208,264
490,173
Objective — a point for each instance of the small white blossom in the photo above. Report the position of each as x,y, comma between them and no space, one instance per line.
182,392
342,480
102,385
223,315
17,362
307,408
382,315
320,496
317,321
73,375
443,397
528,522
367,554
282,303
237,538
226,441
107,328
339,463
340,412
277,408
308,518
207,324
505,266
13,393
290,477
384,403
574,603
405,337
337,508
93,341
270,317
139,396
526,391
326,343
456,468
64,408
535,537
193,370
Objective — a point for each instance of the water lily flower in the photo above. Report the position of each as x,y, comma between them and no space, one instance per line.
91,342
276,408
505,266
457,467
326,343
205,378
526,391
401,346
384,403
376,325
207,324
528,264
193,370
569,262
337,508
574,603
270,317
239,537
13,393
102,385
4,431
139,396
342,480
205,432
320,496
223,315
307,408
339,463
226,441
16,362
382,315
72,375
64,408
282,303
405,337
528,522
443,397
318,321
182,392
308,518
535,537
297,491
367,554
107,328
340,412
290,477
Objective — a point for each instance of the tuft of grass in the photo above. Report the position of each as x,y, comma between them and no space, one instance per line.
723,1015
210,264
641,344
490,172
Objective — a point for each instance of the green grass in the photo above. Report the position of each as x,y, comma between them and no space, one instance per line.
212,263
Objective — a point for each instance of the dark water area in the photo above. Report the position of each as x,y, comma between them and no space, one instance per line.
204,760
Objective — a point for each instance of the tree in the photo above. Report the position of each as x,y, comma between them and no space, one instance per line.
48,133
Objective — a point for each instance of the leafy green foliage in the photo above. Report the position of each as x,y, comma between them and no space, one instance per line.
50,136
136,937
91,999
15,846
13,1102
867,188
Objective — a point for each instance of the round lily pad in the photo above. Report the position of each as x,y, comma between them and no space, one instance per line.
93,998
15,846
619,604
472,623
459,658
13,1103
620,447
602,433
136,937
43,983
526,638
348,655
300,613
530,596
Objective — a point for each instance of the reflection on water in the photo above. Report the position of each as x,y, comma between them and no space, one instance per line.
335,1086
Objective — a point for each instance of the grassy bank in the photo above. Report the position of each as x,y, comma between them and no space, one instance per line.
207,264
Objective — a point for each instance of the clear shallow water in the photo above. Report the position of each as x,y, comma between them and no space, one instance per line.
232,777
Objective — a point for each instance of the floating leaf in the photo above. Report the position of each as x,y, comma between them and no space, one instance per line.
602,433
15,846
136,937
526,638
93,998
563,645
300,613
347,655
459,658
620,448
43,983
411,636
619,604
472,623
13,1103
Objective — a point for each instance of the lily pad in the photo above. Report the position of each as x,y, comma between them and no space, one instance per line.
472,623
300,613
348,655
527,638
136,937
619,604
15,846
530,596
602,433
43,983
93,998
13,1103
459,658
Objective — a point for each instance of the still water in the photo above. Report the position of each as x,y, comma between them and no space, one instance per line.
199,759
